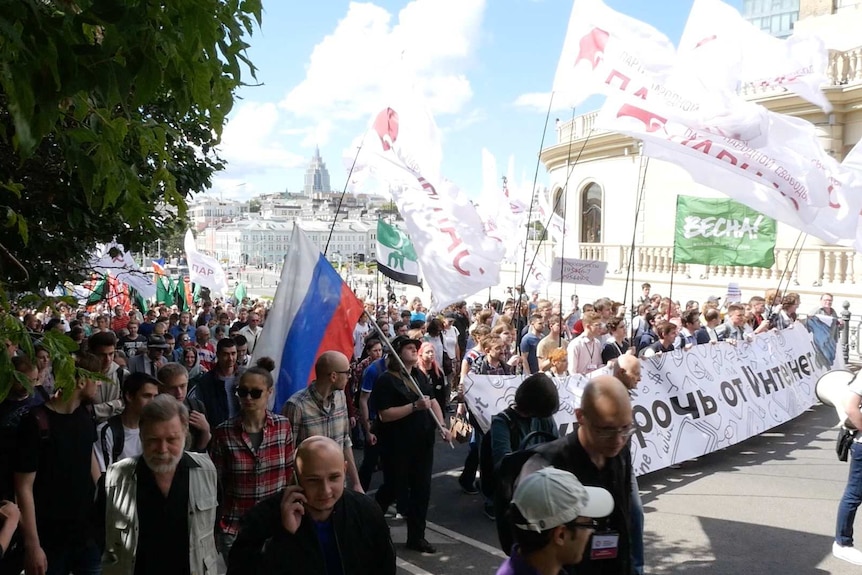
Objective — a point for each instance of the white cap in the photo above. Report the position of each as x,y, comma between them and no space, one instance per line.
551,497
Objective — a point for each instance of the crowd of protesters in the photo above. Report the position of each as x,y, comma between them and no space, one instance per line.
172,454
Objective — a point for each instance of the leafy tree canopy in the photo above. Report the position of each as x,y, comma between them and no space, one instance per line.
109,114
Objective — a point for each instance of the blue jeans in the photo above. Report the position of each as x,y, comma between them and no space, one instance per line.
84,560
851,499
637,535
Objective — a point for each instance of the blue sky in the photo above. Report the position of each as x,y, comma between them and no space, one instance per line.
317,62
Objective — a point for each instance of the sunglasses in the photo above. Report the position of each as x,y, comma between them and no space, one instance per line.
614,432
244,392
591,524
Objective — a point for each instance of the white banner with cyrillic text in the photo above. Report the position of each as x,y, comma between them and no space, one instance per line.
690,403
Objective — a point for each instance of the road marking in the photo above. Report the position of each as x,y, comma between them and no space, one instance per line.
468,540
410,567
454,472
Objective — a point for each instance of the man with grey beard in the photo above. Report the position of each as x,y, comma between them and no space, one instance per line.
161,506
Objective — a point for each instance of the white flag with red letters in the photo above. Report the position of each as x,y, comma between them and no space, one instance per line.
727,52
402,149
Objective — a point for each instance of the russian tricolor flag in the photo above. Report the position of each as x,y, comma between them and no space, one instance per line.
313,311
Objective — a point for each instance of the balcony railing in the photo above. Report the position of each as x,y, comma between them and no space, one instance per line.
833,265
843,68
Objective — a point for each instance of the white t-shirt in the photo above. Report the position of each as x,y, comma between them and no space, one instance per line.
450,341
131,445
359,333
856,387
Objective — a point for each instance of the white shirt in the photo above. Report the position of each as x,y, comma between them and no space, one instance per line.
585,354
856,387
251,336
131,445
359,333
450,341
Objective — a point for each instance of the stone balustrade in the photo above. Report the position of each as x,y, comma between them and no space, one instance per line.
822,265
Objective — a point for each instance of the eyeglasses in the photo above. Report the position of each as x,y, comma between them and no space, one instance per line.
592,524
344,372
614,432
244,392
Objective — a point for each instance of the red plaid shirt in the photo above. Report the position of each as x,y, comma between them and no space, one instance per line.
245,476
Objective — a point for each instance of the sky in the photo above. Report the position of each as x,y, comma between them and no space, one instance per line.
486,67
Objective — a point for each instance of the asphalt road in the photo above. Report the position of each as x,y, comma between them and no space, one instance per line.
765,506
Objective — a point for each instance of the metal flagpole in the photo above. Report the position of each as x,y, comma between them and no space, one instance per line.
411,383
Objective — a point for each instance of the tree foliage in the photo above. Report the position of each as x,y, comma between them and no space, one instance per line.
110,111
109,114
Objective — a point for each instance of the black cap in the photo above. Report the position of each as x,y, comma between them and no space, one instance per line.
158,342
399,341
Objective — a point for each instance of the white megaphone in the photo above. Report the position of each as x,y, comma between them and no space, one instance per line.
832,389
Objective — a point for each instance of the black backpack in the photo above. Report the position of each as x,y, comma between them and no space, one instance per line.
486,457
506,476
118,434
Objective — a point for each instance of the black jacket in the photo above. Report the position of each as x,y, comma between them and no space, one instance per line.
568,454
209,389
264,546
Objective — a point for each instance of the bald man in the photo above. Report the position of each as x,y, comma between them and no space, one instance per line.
321,408
597,452
627,369
317,526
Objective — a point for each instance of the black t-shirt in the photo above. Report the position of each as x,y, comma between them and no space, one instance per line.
391,391
11,413
64,489
163,541
132,346
568,454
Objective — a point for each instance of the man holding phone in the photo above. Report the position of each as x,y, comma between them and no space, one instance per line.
317,526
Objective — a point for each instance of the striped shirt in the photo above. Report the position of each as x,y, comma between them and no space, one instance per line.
247,476
310,414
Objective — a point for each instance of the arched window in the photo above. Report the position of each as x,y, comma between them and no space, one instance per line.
559,203
591,214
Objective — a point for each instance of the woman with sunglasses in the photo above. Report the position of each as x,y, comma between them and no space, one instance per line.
252,453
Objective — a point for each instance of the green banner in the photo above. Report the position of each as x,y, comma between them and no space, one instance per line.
396,257
164,289
722,232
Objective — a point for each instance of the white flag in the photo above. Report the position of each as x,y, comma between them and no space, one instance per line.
500,206
728,52
611,53
606,51
789,179
402,150
538,275
113,259
203,269
553,222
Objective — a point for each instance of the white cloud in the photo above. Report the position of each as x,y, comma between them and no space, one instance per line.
232,189
538,101
349,69
250,142
464,121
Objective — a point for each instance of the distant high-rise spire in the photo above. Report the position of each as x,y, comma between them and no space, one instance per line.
316,176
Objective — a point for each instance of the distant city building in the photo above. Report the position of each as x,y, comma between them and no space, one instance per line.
776,17
316,176
261,242
207,211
